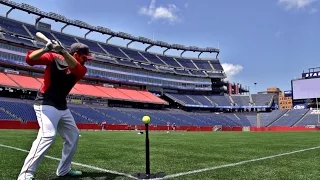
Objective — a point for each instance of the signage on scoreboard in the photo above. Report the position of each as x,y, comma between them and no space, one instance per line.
311,75
300,106
287,93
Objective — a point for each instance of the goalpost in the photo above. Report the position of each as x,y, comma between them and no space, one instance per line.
258,119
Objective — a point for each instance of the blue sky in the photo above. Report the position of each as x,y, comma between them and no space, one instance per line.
268,42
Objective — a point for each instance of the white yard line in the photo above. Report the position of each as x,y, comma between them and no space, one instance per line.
75,163
178,174
238,163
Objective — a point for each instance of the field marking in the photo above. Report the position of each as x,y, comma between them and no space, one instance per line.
75,163
173,175
235,164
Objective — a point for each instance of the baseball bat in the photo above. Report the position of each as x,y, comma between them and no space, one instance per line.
42,37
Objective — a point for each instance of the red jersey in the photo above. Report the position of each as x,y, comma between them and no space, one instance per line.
59,79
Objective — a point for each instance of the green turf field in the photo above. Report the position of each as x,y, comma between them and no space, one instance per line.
175,153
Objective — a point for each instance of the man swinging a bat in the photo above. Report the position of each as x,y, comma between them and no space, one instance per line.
63,70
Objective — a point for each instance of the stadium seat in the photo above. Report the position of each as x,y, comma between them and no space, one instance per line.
134,95
5,116
23,110
153,97
216,65
89,113
26,82
120,115
94,47
133,54
64,38
221,100
170,61
5,80
203,64
114,93
290,118
262,99
186,63
90,90
113,50
311,118
152,58
241,100
33,31
15,39
13,26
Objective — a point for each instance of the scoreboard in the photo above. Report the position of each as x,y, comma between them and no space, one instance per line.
306,88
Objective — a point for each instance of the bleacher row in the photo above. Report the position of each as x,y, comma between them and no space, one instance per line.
246,101
11,109
34,83
12,28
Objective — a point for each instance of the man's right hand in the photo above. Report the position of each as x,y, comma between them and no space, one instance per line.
48,46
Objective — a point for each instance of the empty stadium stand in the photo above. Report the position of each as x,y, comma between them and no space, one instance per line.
268,118
27,31
291,117
311,118
128,66
15,109
34,83
25,82
260,100
6,81
24,111
241,100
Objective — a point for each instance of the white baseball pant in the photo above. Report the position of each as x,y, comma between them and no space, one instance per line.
51,121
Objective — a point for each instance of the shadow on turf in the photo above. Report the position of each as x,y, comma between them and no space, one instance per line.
93,175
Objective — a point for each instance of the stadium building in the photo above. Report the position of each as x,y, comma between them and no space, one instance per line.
123,84
285,100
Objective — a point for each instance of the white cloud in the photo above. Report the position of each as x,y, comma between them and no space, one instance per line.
313,10
298,4
231,69
168,12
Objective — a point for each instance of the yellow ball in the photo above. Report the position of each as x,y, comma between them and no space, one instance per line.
146,119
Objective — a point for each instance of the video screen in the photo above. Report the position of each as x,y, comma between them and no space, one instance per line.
306,88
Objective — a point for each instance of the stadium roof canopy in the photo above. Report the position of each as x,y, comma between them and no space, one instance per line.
84,25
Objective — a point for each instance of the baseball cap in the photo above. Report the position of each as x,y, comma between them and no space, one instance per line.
82,49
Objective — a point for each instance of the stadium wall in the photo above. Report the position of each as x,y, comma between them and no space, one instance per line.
11,124
283,128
